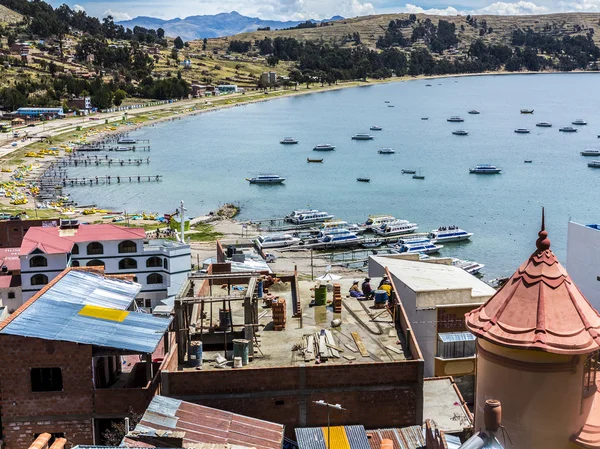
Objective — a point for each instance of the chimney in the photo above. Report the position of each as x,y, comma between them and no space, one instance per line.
492,415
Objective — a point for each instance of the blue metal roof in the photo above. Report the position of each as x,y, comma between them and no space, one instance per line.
87,308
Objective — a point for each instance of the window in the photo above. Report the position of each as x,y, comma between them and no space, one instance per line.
46,379
589,372
127,247
75,263
165,264
154,278
75,249
38,261
39,279
95,263
127,264
11,295
154,262
452,345
95,248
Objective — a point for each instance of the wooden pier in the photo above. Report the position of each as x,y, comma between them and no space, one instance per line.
99,162
52,181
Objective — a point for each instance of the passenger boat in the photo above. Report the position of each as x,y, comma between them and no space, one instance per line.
386,151
474,111
324,147
266,179
313,216
468,265
344,237
460,132
408,172
375,128
376,221
313,160
297,213
362,136
328,226
126,141
526,111
455,119
124,148
567,129
522,131
594,164
424,246
485,169
276,241
397,227
449,234
579,121
544,124
590,152
288,141
363,179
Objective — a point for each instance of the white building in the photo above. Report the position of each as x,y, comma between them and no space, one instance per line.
160,266
583,260
10,279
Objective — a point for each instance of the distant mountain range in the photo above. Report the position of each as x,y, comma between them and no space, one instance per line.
199,27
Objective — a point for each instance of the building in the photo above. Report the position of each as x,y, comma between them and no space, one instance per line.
436,297
10,279
81,103
227,88
160,266
538,341
583,259
77,357
38,112
268,79
20,48
198,90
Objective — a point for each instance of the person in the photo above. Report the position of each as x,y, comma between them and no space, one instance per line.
387,286
384,279
354,291
366,288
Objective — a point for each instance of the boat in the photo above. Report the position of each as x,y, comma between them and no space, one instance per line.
362,136
527,162
460,132
288,141
544,124
590,152
276,241
339,224
313,160
424,118
266,179
363,179
386,101
526,111
397,227
125,149
567,129
390,105
468,265
406,171
474,112
423,246
126,141
376,221
579,121
324,147
428,85
375,128
386,151
522,131
342,237
445,234
455,119
418,176
297,213
368,244
594,164
311,216
485,169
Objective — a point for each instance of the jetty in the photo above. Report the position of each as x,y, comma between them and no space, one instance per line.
99,162
50,181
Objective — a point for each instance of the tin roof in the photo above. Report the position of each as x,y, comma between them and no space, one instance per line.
411,437
202,424
342,437
87,308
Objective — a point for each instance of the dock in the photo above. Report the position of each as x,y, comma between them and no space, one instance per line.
50,181
99,162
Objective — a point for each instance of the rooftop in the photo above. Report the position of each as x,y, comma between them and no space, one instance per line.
411,437
443,404
342,437
9,257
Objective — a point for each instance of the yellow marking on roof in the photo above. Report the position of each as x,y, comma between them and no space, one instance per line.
104,313
339,440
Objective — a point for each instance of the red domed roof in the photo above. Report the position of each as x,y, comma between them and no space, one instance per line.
539,307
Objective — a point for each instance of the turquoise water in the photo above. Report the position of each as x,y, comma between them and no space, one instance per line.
206,158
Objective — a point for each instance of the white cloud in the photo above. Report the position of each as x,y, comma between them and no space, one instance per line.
514,9
579,6
116,15
78,8
414,9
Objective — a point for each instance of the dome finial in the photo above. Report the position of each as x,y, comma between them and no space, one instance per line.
543,242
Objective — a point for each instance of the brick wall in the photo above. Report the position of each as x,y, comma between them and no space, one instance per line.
13,231
20,434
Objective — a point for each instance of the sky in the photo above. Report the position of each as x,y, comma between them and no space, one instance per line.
320,9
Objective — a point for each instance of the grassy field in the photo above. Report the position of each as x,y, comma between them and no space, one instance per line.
8,16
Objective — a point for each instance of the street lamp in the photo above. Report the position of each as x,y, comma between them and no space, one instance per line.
328,405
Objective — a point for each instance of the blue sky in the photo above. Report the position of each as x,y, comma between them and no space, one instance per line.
320,9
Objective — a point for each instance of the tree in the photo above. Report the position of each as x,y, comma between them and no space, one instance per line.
204,43
178,42
119,96
160,33
296,77
103,98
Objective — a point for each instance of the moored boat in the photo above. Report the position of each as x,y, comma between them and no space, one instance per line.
314,160
406,171
567,129
423,246
339,238
324,147
544,124
276,241
386,151
288,141
526,111
447,234
579,121
308,216
362,136
455,119
469,266
590,152
474,111
363,179
126,141
375,128
376,221
397,227
485,169
522,131
460,132
594,164
266,179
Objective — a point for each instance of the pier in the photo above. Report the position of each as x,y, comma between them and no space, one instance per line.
88,161
54,181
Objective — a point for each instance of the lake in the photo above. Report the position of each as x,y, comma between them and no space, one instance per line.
205,159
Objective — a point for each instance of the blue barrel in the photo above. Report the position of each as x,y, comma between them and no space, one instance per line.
195,354
240,349
380,296
260,289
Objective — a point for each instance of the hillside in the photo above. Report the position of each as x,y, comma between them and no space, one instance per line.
8,16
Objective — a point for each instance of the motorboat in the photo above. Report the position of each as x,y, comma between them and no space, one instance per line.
276,241
324,147
332,231
485,169
125,149
427,85
455,119
406,171
526,111
362,136
375,128
363,179
590,152
313,216
446,234
418,176
126,141
313,160
266,179
297,213
474,112
398,227
339,238
371,244
468,265
544,124
522,131
386,101
386,151
390,105
567,129
528,161
423,246
376,221
288,141
579,121
424,118
460,132
594,164
339,224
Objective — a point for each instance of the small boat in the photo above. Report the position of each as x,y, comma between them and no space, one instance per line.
590,152
567,129
343,237
367,244
363,179
386,151
446,234
266,179
468,265
427,118
579,121
460,132
288,141
474,112
594,164
528,162
428,85
390,105
126,141
420,246
362,136
526,111
408,172
418,176
485,169
313,160
544,124
125,149
522,131
455,119
386,101
324,147
375,128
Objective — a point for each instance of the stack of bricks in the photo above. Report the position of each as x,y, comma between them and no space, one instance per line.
337,298
278,307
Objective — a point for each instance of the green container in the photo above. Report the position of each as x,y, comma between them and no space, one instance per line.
240,349
321,295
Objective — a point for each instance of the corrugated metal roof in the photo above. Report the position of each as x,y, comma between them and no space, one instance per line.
357,437
310,438
57,314
411,437
342,437
338,439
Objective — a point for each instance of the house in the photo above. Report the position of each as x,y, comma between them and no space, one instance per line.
227,88
81,103
583,259
37,112
198,90
20,48
10,279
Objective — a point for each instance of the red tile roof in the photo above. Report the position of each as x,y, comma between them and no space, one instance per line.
9,257
539,308
53,240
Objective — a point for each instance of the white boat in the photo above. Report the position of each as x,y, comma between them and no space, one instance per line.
567,129
362,136
266,179
288,141
375,128
468,265
579,121
324,147
526,111
474,111
124,148
398,227
310,217
423,246
339,224
455,119
445,234
342,237
386,151
298,212
126,141
376,221
522,131
544,124
590,152
276,241
594,164
460,132
485,169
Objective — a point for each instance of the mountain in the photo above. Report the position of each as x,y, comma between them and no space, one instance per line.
218,25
